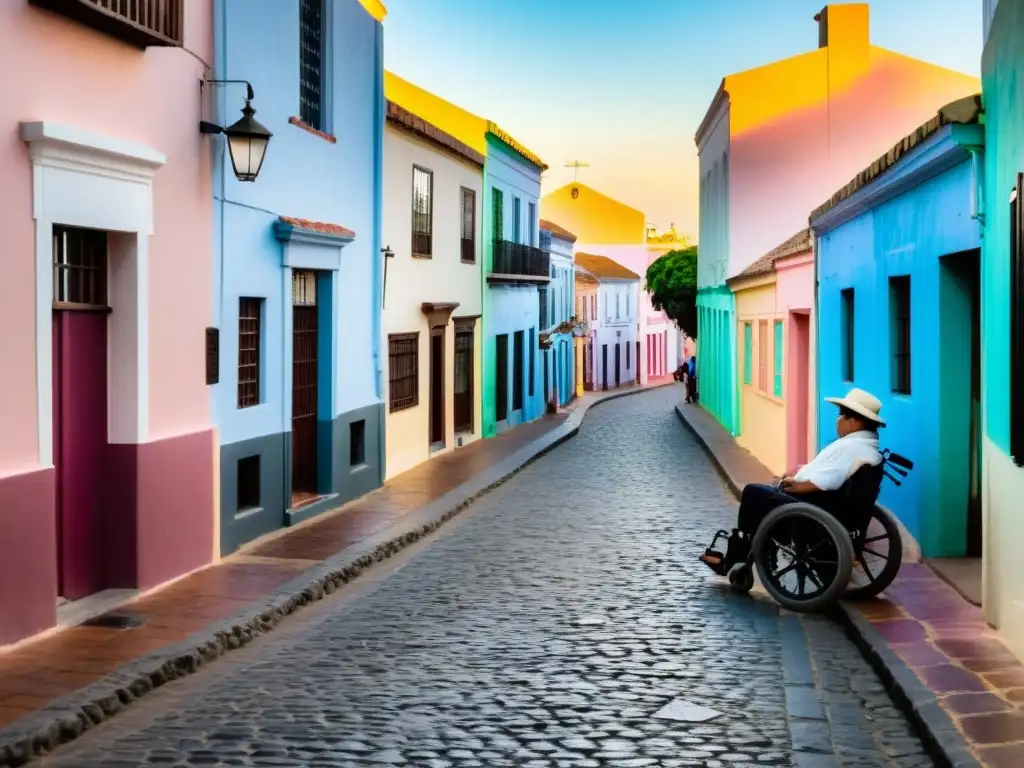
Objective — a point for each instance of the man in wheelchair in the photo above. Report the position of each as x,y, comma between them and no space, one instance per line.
821,483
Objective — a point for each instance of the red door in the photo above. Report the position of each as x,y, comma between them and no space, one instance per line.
305,370
79,447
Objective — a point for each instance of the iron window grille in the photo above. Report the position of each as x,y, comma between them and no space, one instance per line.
468,226
531,223
762,355
79,268
1017,323
517,224
498,214
311,55
403,371
900,292
249,314
545,240
847,298
422,211
542,294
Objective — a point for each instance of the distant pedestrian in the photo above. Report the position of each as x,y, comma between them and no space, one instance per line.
691,380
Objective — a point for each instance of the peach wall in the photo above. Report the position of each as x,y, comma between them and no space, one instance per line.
794,285
88,80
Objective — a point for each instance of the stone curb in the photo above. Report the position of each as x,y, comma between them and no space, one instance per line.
68,717
940,736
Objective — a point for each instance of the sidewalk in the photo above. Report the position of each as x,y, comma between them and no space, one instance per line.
54,687
962,685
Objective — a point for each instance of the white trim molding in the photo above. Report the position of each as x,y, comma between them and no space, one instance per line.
85,179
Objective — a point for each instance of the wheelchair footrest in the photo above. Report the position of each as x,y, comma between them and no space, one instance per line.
715,561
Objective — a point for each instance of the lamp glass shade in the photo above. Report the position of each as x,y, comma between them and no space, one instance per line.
247,144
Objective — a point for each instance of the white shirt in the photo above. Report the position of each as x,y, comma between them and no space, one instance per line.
838,461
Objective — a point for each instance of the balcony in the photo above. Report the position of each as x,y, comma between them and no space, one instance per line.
519,263
142,23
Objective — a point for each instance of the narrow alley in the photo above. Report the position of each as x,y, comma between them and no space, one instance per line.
550,625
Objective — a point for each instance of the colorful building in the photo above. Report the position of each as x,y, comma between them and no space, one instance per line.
557,315
774,299
298,267
513,266
898,313
432,303
607,227
1002,289
615,348
775,142
587,288
107,457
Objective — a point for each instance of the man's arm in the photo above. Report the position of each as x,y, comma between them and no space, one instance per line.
789,485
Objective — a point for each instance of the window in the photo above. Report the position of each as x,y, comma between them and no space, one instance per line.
542,294
777,384
1016,321
762,355
545,239
846,297
468,226
422,211
463,383
530,370
748,353
247,483
79,267
357,443
403,370
627,356
517,224
311,56
501,376
593,306
517,371
532,222
617,298
250,312
899,291
498,214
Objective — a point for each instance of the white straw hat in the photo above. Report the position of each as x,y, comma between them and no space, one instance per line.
862,403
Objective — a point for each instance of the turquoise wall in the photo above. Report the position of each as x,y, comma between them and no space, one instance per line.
716,356
1003,98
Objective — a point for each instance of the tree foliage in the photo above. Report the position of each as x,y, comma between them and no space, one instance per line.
672,282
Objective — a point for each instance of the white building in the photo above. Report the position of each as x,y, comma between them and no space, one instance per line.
432,302
557,309
615,329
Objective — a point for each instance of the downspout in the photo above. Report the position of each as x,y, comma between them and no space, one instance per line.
817,343
375,254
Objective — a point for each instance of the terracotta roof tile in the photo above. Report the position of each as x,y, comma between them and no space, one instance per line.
798,243
426,130
322,227
965,111
560,232
603,267
583,277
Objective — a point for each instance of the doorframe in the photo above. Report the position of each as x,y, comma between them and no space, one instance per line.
435,333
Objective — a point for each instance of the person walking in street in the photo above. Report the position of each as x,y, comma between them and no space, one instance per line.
690,368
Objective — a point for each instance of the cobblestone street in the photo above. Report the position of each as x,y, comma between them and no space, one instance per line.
546,626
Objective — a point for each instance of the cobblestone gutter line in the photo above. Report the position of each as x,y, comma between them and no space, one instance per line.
918,702
69,717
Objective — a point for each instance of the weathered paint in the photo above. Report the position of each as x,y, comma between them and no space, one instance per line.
804,125
912,220
255,252
1002,81
112,131
443,278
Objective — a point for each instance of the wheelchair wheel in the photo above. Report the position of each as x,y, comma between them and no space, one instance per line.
877,558
741,578
804,557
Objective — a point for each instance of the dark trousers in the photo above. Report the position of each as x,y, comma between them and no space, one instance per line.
758,501
691,389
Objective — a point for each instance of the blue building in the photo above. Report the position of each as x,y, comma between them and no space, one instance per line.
898,315
514,268
297,264
557,302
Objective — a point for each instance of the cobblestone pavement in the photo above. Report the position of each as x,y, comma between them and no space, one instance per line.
544,628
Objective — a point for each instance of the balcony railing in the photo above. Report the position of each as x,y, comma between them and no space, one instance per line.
516,262
142,23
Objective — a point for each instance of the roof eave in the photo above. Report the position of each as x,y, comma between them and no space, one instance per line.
718,103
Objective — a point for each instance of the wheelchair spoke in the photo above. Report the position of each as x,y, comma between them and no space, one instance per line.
783,548
864,565
814,578
873,539
872,552
784,571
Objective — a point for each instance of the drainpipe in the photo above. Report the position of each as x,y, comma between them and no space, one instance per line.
375,254
977,186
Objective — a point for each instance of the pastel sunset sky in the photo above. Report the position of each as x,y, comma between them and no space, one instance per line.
623,84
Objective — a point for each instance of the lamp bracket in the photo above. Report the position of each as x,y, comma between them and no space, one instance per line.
209,128
249,92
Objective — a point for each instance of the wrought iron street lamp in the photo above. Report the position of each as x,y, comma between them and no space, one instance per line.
247,139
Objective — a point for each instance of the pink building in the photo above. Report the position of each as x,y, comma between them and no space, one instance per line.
106,462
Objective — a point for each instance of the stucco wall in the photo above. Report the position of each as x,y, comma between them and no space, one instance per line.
908,235
714,160
413,281
794,286
1002,64
616,328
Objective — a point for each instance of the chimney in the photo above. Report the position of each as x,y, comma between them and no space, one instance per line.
844,26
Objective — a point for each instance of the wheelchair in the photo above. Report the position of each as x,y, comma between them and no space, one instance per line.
807,559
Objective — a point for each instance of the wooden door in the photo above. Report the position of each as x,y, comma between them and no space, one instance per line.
305,370
501,377
618,362
437,386
604,366
518,350
463,382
